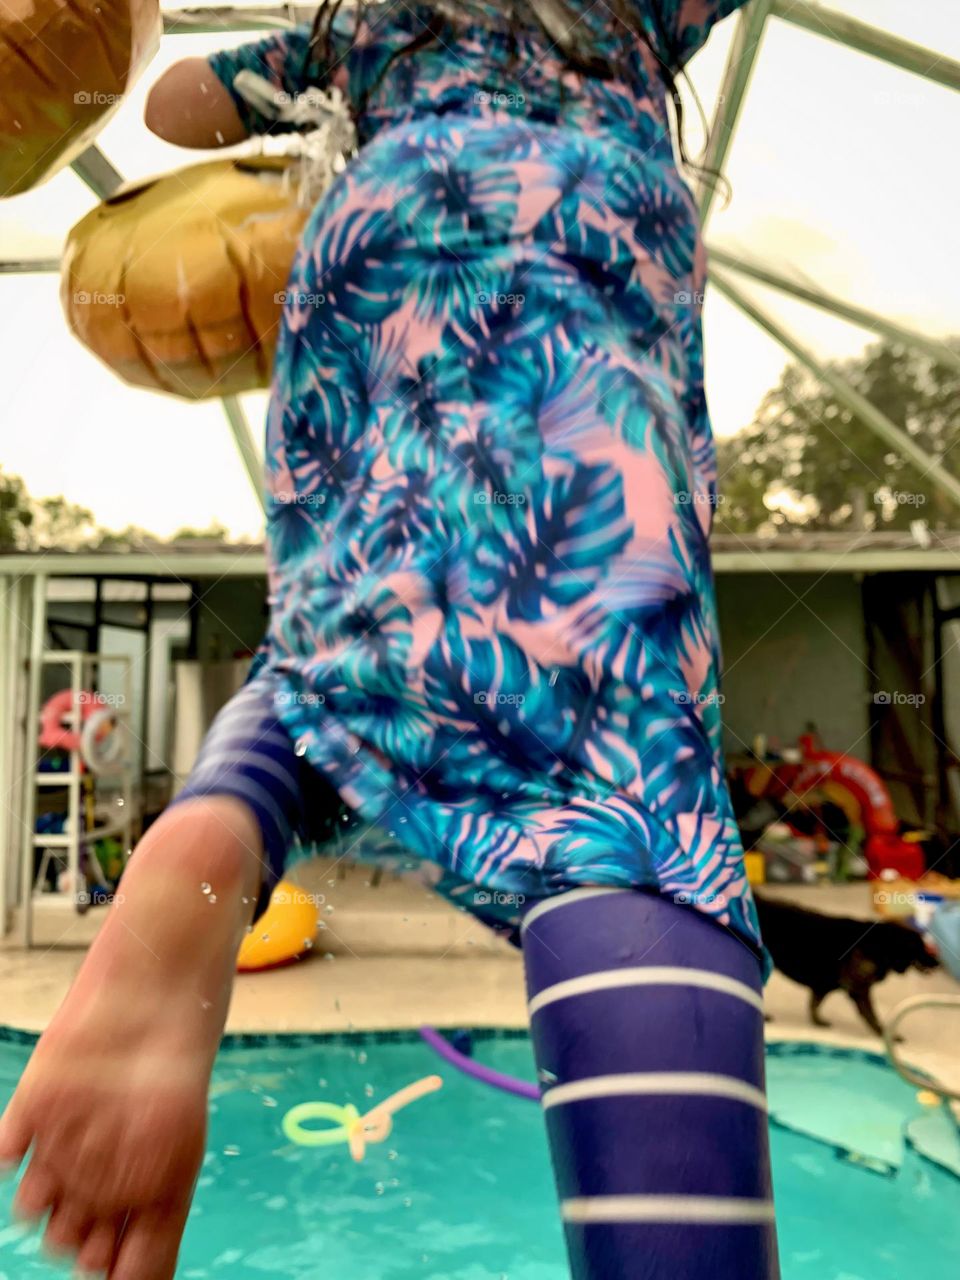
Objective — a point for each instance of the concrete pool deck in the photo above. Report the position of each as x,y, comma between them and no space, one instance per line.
393,955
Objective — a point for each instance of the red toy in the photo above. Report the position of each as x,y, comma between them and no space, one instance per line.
860,792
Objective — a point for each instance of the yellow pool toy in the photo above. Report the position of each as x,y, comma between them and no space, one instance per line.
927,1098
285,930
347,1124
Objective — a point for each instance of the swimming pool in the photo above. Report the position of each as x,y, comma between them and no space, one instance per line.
462,1189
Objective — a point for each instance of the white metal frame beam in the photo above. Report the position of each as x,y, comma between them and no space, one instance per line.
93,167
28,266
818,297
748,34
207,19
246,444
28,785
874,41
863,37
755,555
857,404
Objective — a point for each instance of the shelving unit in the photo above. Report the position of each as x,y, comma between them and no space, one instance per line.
85,675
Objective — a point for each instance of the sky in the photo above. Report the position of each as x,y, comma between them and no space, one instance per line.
842,170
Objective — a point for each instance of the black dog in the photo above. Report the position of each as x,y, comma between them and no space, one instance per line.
835,953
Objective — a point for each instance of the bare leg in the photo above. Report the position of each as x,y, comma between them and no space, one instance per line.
113,1100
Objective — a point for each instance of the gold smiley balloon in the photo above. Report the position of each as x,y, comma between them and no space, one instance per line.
178,283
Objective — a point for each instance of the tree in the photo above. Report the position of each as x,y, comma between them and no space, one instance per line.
806,462
30,524
62,524
215,532
16,513
130,538
27,524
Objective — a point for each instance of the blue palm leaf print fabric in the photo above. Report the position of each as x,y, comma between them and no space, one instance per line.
490,474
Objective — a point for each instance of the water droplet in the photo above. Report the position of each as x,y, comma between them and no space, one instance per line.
307,944
322,1082
329,956
269,1102
407,1202
301,748
328,908
380,1188
368,1090
231,1151
321,924
205,888
249,929
245,901
391,1155
212,898
362,1056
206,1004
264,937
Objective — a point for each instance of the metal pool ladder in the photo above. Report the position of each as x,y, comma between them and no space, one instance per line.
893,1049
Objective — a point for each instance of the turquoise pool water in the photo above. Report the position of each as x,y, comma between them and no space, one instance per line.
462,1189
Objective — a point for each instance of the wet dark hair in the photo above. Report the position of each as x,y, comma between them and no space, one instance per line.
559,23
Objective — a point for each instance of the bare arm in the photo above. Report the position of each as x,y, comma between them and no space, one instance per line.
190,107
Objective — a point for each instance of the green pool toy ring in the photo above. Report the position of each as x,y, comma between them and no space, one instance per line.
342,1123
347,1124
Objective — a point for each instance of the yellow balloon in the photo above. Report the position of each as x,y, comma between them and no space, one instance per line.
285,930
178,283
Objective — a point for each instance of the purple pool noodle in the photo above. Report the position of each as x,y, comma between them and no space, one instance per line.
509,1084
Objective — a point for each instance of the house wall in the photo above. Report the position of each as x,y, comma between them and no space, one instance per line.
232,618
794,652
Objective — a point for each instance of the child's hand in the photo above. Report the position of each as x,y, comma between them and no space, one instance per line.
116,1131
112,1106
